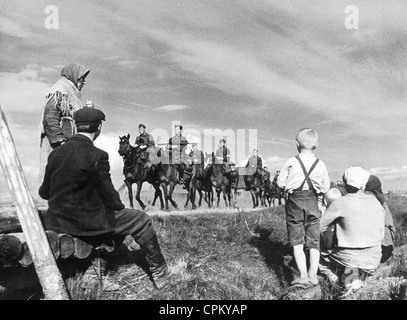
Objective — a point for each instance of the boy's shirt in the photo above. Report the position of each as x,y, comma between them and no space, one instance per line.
291,175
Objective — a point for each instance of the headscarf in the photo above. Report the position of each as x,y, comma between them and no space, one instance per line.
375,186
356,177
74,71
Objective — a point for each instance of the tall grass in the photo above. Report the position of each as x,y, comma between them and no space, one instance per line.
239,256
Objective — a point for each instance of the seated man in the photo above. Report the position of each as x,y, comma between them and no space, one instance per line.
359,221
83,202
144,142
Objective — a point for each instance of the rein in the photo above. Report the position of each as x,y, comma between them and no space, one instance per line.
128,154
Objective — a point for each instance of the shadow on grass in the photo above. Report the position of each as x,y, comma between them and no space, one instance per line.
277,255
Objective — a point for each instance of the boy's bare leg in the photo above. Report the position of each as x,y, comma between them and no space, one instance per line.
313,268
301,260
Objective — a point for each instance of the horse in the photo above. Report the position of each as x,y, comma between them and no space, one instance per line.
134,171
197,178
167,174
193,179
220,181
268,194
277,192
254,186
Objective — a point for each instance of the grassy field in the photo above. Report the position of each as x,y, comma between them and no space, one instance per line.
215,256
239,255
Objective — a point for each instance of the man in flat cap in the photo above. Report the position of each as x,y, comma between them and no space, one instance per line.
177,145
83,202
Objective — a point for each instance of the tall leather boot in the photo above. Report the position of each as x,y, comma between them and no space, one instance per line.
96,275
156,262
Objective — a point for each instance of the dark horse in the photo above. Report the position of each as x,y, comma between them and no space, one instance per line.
254,186
221,182
277,193
196,178
158,173
134,171
268,194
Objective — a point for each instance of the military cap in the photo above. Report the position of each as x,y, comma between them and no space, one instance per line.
88,115
222,140
178,126
141,126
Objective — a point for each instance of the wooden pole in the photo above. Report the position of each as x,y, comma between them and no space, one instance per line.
44,262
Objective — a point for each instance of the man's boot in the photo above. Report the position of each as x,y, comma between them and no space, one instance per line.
95,275
156,262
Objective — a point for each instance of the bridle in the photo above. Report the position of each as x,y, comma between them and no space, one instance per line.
126,154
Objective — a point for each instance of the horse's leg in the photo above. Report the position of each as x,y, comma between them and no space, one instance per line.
188,197
139,185
218,191
225,194
164,187
200,197
160,195
172,187
193,194
155,196
130,191
253,198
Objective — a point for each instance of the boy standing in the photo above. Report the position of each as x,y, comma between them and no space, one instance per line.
304,178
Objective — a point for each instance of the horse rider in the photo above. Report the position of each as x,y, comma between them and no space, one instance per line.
222,155
144,142
254,166
178,143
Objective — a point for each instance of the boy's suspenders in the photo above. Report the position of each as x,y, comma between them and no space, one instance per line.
310,185
306,174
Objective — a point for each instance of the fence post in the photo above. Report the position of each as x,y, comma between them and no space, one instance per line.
44,262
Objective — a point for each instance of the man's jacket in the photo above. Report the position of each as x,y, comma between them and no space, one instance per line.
178,140
80,193
145,139
255,162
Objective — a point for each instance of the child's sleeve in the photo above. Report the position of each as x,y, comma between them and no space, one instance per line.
282,177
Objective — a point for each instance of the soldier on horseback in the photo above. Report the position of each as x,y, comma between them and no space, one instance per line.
144,142
255,168
222,155
178,143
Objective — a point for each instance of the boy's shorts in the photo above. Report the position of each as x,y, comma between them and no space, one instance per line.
302,216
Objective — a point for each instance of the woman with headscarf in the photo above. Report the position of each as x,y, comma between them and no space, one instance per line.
374,185
359,219
61,102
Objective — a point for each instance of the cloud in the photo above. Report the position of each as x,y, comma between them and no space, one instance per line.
172,107
268,70
23,91
390,173
12,28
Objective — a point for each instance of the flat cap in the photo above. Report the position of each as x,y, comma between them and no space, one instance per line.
141,126
88,115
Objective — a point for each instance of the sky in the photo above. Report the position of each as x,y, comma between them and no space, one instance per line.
257,69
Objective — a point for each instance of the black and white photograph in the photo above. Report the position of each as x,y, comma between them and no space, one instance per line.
203,155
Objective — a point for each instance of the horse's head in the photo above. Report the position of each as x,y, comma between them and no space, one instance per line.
124,145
